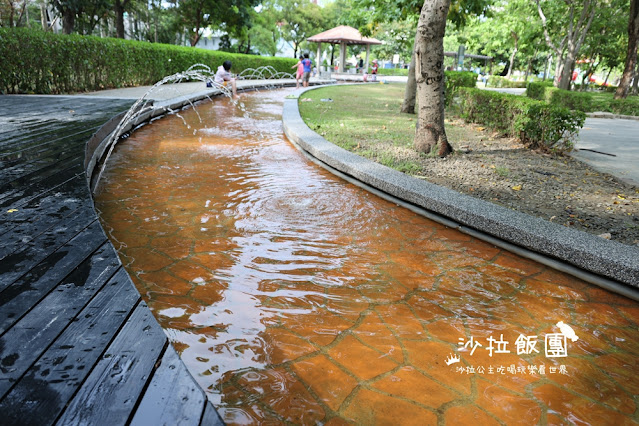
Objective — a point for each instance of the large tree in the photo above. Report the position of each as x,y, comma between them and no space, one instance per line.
196,15
119,6
605,45
265,31
299,20
430,134
12,12
68,10
91,14
631,56
508,32
394,10
572,20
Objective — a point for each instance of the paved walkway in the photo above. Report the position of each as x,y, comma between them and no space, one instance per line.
170,91
616,142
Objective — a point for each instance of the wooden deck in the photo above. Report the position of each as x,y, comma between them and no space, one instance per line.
77,343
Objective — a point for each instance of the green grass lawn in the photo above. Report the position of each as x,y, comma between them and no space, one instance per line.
358,113
360,118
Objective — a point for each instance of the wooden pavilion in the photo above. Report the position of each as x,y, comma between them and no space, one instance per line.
343,35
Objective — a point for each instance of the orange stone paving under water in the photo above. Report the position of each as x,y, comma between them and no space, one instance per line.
293,296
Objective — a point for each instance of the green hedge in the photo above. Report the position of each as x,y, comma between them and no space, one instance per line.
392,71
535,90
537,124
497,81
583,101
456,79
38,62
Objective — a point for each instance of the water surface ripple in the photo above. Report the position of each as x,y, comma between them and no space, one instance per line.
293,296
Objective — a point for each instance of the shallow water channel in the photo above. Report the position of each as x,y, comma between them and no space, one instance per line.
293,296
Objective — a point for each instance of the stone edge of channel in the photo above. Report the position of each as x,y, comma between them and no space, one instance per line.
609,259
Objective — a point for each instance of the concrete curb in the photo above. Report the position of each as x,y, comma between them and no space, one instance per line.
607,260
601,114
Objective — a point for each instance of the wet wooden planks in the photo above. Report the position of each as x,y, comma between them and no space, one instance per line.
77,344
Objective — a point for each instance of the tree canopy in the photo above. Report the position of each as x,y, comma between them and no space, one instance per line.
526,37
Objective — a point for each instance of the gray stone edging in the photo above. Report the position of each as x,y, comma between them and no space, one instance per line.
609,259
602,114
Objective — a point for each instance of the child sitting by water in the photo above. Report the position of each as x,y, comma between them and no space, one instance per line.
223,77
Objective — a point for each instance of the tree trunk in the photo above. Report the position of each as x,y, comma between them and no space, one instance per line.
576,33
43,16
529,67
559,68
512,57
118,9
68,21
196,34
155,18
547,67
195,38
631,58
566,72
408,106
607,76
11,13
430,135
635,83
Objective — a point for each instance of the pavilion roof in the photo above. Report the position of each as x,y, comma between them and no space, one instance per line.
340,34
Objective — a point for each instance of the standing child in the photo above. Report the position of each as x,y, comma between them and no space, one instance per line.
300,71
308,66
374,70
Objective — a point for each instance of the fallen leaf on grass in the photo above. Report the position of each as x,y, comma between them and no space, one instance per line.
12,210
516,188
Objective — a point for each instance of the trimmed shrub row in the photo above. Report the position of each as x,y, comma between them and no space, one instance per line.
583,101
38,62
392,71
537,124
456,79
497,81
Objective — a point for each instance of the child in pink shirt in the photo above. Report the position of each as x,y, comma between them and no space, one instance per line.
300,71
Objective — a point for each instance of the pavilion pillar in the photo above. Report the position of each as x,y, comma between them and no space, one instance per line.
318,58
342,56
368,53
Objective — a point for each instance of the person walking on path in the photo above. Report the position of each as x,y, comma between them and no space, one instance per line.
374,70
308,67
300,71
224,77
